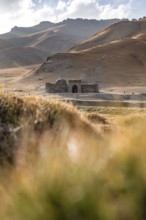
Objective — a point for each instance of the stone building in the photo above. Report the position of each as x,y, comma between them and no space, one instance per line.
71,86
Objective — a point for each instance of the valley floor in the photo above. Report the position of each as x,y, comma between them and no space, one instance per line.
15,80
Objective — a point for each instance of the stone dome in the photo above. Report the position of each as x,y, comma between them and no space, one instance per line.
61,82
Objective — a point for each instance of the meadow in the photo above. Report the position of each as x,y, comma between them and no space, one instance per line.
58,162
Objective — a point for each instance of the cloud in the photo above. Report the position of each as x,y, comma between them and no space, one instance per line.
138,8
61,6
93,9
22,13
14,12
31,12
14,5
121,11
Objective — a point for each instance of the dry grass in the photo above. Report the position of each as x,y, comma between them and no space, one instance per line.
30,119
63,168
119,111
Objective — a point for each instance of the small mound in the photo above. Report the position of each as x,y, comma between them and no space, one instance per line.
30,122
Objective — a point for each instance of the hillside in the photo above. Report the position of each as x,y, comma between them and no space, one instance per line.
47,38
115,56
116,32
20,56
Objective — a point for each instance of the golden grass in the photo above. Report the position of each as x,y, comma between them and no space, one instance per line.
65,167
114,110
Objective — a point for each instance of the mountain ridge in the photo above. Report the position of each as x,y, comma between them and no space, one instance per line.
49,38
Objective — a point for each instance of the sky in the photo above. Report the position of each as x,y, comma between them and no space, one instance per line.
24,13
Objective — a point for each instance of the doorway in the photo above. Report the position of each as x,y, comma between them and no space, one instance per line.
74,89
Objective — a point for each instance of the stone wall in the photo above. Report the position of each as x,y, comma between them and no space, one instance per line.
89,88
55,88
73,86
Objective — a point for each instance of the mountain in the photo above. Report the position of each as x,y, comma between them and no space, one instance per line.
113,56
116,32
47,38
23,31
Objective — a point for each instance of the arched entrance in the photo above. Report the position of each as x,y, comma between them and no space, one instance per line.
74,89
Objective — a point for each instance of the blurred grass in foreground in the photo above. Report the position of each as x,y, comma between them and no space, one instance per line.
58,164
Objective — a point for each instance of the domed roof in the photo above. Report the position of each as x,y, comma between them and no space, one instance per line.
61,81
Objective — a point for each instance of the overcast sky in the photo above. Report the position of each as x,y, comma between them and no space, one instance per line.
31,12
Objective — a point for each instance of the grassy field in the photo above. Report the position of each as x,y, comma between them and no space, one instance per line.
114,110
62,163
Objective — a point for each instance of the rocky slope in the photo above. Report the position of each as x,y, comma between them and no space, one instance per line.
116,32
47,39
